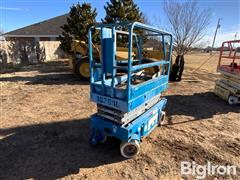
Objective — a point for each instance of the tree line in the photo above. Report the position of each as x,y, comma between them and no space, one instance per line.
83,16
186,21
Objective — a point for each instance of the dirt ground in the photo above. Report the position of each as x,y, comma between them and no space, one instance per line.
44,128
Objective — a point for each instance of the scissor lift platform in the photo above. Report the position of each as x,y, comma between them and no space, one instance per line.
228,87
129,100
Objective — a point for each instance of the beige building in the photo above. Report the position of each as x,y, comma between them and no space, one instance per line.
34,43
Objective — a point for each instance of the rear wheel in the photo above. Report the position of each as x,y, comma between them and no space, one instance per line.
177,69
102,137
82,69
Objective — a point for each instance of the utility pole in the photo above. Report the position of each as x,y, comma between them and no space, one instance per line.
236,35
218,26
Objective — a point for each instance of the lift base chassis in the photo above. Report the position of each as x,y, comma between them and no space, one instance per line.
128,133
227,93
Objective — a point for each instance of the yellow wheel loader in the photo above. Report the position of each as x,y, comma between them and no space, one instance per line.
79,61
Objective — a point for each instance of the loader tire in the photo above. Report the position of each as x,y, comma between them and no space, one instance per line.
82,69
177,69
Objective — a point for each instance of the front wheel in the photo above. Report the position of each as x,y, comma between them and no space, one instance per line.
82,69
130,149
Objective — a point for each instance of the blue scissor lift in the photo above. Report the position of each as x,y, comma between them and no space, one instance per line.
129,102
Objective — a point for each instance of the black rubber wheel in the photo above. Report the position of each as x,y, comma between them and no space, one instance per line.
130,149
162,118
82,69
177,69
232,100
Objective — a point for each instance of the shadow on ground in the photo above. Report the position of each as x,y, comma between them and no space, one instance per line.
50,151
45,67
52,73
47,79
200,106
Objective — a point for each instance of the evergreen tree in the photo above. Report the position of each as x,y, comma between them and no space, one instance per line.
122,10
81,18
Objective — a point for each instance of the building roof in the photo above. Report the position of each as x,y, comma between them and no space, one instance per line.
47,28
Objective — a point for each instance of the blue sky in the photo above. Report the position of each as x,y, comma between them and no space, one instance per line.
18,13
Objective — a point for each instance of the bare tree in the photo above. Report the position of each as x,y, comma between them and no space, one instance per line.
187,24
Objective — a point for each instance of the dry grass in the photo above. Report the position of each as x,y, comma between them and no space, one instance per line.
205,60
